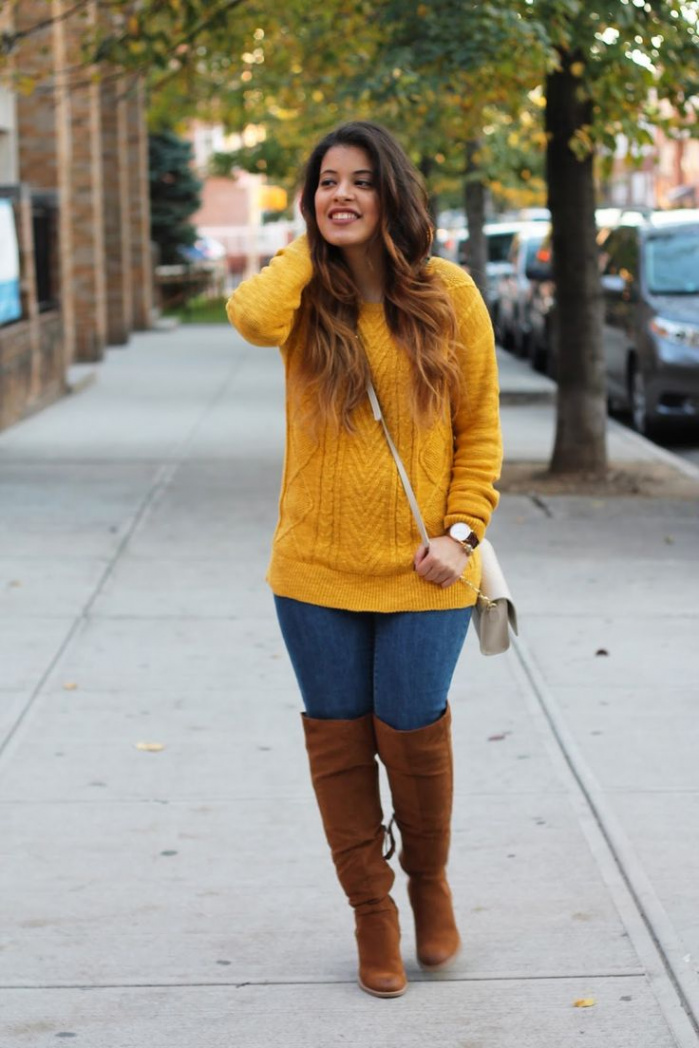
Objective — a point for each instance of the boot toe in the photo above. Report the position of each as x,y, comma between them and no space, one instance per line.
382,983
439,955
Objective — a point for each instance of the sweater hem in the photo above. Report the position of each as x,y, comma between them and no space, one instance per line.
318,584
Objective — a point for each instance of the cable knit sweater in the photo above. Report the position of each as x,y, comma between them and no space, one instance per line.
345,536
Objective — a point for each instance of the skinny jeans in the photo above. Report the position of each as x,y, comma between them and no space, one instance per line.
398,665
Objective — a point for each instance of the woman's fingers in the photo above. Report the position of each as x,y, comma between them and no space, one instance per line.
420,555
442,564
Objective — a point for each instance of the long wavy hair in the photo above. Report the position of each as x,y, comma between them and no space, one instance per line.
418,310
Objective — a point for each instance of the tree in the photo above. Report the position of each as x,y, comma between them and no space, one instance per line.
603,64
609,64
142,37
174,194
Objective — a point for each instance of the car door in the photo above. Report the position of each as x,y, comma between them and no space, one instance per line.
619,289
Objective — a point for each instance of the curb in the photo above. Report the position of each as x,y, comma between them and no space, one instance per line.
653,451
80,378
668,964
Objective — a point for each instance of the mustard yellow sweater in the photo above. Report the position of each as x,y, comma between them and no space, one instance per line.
345,536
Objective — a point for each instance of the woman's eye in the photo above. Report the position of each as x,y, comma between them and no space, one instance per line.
326,182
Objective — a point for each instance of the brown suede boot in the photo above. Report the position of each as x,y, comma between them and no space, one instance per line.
420,771
345,775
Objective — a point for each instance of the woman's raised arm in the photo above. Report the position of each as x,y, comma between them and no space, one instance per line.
264,307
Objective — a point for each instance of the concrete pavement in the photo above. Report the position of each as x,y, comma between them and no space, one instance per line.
184,896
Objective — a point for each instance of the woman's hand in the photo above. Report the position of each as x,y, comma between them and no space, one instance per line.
444,564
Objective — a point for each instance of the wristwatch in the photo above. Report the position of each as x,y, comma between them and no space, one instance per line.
464,536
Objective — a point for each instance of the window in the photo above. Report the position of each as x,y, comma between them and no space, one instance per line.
10,302
672,263
619,255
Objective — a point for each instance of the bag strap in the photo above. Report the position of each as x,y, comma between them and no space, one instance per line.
410,494
405,479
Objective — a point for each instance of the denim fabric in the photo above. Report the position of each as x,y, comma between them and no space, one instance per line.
398,665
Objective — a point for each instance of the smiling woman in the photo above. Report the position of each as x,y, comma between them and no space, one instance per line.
347,212
373,620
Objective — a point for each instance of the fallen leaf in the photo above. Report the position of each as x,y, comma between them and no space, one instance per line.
669,541
150,747
601,651
69,685
498,738
585,1002
14,583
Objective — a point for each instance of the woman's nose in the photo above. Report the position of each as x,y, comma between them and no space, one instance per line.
343,190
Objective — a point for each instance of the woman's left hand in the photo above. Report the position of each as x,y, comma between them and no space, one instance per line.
444,564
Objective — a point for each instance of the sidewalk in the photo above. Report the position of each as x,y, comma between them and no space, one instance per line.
184,898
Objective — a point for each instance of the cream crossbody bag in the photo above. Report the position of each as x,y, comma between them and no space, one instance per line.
494,613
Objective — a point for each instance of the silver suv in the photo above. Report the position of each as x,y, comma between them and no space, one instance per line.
650,284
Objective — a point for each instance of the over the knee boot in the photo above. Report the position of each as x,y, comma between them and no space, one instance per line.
420,771
345,775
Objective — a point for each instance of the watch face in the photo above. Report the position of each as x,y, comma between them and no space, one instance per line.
460,532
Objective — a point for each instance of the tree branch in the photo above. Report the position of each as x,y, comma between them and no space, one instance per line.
38,26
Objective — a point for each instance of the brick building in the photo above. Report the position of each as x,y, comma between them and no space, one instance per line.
74,164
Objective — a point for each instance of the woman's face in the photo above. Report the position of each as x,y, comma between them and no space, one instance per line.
347,200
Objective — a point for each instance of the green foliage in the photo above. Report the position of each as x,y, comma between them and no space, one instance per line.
201,309
174,194
163,40
268,157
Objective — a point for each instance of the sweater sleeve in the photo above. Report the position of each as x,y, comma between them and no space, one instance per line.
263,308
476,419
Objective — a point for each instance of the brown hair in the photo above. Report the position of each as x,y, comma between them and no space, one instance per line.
418,310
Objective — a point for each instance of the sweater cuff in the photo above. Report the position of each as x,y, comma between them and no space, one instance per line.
476,525
300,253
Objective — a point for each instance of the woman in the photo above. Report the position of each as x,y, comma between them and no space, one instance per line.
373,621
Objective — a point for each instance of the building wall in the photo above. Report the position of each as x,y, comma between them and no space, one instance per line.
9,161
85,143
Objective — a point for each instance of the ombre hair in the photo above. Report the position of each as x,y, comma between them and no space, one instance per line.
418,310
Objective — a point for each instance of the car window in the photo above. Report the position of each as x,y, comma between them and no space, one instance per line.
499,245
672,263
532,247
619,255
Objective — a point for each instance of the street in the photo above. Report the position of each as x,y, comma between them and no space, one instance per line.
687,447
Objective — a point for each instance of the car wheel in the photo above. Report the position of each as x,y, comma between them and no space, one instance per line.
538,357
504,335
638,400
521,344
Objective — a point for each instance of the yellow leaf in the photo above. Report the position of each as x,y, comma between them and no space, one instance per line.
577,68
150,747
25,84
585,1002
70,685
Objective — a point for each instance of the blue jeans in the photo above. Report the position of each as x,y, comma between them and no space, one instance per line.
398,665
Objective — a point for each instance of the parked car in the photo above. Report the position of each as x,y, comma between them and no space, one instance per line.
540,305
650,284
512,318
499,237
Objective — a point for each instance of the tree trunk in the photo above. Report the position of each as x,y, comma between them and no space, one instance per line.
474,203
580,444
425,167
